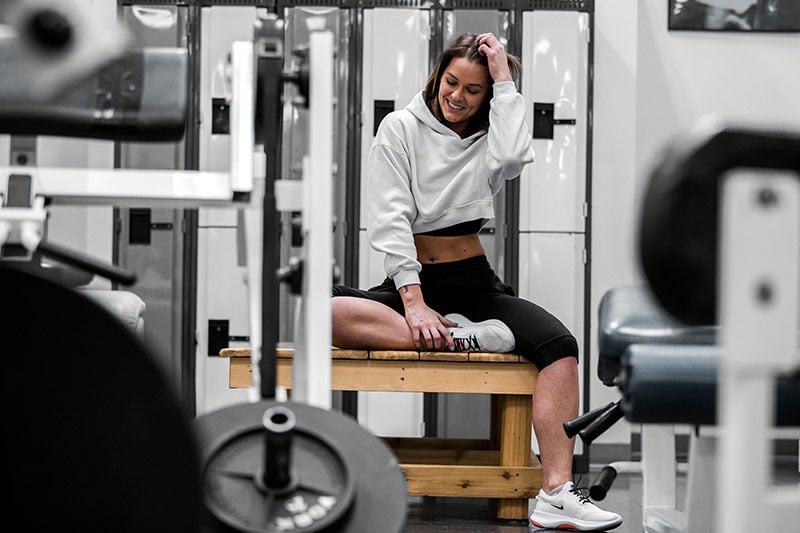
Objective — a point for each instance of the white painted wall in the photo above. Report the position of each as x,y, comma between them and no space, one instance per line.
651,84
613,171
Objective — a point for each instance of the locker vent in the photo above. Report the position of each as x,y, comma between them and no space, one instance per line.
397,3
202,3
256,3
154,2
563,5
478,4
317,3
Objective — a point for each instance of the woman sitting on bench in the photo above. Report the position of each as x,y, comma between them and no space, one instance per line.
434,169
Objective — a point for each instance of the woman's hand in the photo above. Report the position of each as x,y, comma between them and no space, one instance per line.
496,57
428,328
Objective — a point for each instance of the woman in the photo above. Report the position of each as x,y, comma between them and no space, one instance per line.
434,168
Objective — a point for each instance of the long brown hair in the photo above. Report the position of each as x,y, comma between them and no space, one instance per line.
465,46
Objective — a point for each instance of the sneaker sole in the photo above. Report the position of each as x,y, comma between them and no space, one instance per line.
561,523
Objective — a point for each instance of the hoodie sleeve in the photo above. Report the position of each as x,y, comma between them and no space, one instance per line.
390,204
509,139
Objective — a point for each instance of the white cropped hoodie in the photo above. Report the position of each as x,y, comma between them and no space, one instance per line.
422,176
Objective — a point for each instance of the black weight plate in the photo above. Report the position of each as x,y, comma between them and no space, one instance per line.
94,437
380,499
321,492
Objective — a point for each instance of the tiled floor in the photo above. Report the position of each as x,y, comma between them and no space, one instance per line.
467,515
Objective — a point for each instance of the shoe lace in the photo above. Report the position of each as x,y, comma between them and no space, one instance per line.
581,492
466,344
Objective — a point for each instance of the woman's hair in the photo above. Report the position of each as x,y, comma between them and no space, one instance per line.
464,46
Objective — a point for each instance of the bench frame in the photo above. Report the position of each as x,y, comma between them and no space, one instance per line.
501,467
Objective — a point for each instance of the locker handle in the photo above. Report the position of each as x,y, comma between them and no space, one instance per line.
544,120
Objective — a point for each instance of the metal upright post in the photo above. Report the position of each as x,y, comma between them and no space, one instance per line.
269,53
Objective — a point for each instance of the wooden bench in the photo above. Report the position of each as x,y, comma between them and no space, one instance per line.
501,467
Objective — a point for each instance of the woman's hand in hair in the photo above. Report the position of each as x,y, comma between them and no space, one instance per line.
496,57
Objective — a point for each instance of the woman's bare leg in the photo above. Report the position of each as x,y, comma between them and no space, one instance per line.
555,401
366,324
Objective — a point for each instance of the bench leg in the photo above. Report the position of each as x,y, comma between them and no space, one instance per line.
514,429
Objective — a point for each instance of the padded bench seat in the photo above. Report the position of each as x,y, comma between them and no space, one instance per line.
667,371
501,467
666,384
629,314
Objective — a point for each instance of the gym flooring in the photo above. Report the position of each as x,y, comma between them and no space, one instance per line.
468,515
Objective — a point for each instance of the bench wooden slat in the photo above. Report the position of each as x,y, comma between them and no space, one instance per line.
488,357
407,376
473,481
234,352
394,355
452,357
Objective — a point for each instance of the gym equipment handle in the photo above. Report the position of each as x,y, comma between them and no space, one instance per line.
599,488
109,272
598,426
572,427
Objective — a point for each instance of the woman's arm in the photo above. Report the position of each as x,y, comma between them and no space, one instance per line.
509,139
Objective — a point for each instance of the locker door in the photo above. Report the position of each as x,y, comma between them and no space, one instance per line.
552,268
221,290
554,84
158,257
395,67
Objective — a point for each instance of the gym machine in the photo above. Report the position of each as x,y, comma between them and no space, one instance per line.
711,340
97,440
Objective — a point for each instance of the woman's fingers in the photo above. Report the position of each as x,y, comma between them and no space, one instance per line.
496,57
433,338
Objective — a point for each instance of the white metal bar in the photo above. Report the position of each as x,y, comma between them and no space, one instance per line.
242,117
758,307
311,367
127,187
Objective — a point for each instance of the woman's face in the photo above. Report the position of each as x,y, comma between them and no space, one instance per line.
462,90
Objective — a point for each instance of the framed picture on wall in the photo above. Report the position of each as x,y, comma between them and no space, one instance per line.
735,15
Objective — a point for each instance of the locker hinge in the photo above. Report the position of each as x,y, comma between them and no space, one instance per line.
585,256
585,210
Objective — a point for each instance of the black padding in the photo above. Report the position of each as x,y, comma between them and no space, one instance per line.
142,96
629,314
678,230
670,384
94,437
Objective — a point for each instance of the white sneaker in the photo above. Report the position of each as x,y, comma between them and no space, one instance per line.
487,336
571,510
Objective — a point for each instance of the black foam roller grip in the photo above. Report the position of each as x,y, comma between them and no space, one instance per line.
572,427
603,481
598,426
